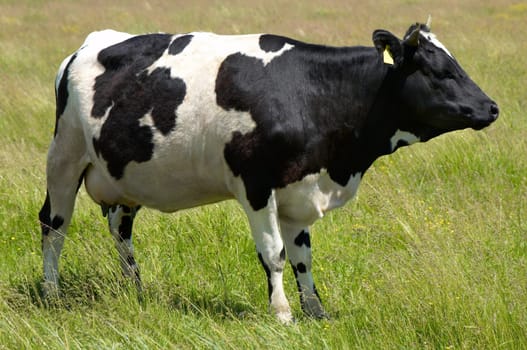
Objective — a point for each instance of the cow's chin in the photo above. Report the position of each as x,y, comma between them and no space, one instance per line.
426,132
449,122
458,118
461,123
478,124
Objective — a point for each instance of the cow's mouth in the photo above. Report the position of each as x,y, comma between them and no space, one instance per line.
480,124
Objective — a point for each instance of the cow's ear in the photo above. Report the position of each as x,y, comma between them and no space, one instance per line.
412,37
389,46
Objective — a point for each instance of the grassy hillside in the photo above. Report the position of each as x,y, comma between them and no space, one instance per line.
432,254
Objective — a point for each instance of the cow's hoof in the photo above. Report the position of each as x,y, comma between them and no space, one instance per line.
285,317
51,295
313,309
322,316
50,290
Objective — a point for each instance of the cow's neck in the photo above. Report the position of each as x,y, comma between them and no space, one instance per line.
356,100
378,135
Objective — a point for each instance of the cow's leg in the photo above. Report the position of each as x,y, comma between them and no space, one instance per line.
120,221
270,247
65,170
298,246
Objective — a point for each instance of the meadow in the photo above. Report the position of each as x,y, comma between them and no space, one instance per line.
432,254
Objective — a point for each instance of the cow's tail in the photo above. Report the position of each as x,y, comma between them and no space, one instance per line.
61,88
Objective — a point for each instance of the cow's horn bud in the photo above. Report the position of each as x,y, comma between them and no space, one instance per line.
429,23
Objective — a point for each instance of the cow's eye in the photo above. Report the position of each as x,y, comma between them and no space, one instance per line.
444,75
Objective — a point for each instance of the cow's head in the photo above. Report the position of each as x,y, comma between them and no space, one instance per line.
433,94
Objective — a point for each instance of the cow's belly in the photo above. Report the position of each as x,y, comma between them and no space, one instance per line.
161,188
305,201
179,189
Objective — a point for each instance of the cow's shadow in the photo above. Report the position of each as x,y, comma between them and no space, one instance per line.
78,294
210,305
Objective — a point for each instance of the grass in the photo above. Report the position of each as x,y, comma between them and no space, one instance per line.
431,255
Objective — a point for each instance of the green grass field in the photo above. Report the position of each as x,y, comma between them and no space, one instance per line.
432,254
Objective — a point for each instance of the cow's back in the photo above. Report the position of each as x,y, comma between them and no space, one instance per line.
148,111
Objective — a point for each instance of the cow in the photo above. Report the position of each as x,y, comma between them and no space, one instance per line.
286,128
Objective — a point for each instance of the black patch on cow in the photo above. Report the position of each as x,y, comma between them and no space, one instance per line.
303,239
306,104
295,271
178,45
268,270
131,92
282,254
130,260
125,228
44,216
268,274
57,222
274,43
300,291
298,287
270,156
46,222
81,178
301,268
61,97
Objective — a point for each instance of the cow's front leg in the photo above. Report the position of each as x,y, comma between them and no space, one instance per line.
298,245
270,247
120,221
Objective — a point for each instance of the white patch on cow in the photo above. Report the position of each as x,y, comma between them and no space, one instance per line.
147,120
105,38
97,123
193,150
206,46
405,136
213,47
82,73
307,200
269,56
433,39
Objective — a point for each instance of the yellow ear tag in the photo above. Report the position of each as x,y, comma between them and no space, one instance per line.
387,55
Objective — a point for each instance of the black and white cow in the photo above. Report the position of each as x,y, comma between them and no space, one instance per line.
286,128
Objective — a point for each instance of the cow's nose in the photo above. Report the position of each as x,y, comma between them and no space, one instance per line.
494,111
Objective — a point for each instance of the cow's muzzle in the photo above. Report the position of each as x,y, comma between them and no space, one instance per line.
493,113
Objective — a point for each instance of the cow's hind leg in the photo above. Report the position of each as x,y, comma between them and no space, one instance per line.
298,246
120,221
65,171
